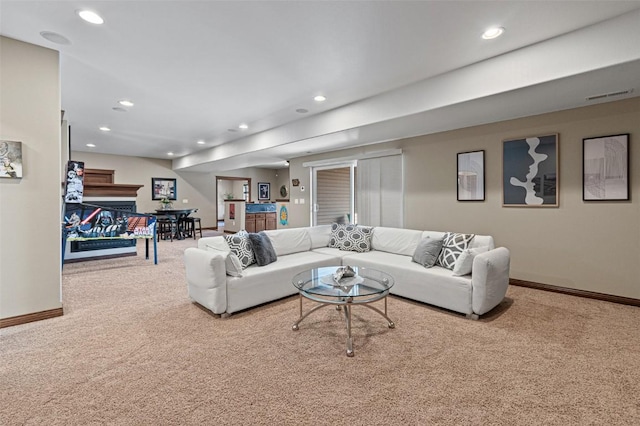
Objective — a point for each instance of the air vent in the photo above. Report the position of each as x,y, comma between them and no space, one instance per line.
609,95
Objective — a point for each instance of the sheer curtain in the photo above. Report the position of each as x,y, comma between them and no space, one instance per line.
379,198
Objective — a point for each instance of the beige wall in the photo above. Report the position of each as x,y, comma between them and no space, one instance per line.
282,178
198,189
256,175
593,246
30,207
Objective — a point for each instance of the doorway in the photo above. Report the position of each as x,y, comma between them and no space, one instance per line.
230,188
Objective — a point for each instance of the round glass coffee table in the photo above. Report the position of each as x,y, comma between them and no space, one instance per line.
366,286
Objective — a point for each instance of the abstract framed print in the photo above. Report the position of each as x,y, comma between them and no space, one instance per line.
530,172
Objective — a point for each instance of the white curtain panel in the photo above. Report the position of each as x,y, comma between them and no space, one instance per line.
379,191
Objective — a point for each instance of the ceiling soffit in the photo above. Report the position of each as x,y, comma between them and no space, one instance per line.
599,47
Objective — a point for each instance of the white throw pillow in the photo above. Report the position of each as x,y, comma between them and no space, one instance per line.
232,263
464,263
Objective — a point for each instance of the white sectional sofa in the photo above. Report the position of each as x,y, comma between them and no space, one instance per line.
299,249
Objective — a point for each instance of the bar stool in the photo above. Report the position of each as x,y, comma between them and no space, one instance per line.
166,227
194,221
190,223
184,225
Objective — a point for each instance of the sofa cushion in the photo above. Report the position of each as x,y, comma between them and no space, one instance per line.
427,251
433,234
452,246
482,241
271,282
240,245
319,235
334,252
262,249
351,237
287,241
435,285
395,240
464,264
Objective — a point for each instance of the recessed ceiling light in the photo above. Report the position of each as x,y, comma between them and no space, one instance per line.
105,129
119,109
302,111
493,33
126,103
91,17
200,142
90,145
169,153
319,98
55,37
243,126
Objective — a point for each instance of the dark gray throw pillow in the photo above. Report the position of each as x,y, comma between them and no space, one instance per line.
262,249
427,252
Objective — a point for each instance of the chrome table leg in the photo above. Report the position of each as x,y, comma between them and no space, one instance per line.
347,312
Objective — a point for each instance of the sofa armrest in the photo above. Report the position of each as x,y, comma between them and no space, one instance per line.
206,278
489,279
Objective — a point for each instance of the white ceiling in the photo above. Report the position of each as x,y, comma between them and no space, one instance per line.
393,69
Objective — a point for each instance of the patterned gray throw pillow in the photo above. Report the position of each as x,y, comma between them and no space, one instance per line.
452,247
427,251
337,234
240,245
351,237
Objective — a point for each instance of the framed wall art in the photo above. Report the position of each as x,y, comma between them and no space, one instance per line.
163,188
264,191
10,159
530,172
470,176
605,168
74,183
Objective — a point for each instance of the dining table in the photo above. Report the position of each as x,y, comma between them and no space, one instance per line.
177,216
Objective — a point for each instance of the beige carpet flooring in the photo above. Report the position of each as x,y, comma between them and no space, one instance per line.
132,349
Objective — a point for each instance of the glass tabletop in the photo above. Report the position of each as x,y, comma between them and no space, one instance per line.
320,282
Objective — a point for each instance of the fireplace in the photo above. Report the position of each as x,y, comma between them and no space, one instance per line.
124,206
100,190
